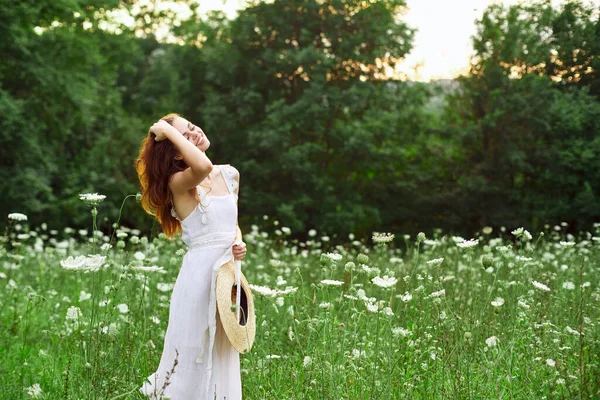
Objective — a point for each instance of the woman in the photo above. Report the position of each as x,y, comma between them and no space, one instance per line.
186,192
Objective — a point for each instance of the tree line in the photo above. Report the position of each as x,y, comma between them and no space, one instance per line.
295,94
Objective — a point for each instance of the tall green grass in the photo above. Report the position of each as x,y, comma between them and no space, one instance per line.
515,316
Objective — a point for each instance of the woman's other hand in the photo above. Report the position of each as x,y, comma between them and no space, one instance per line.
239,250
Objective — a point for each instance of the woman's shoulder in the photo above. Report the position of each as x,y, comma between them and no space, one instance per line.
229,169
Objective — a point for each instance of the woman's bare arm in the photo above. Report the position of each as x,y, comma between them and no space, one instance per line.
199,165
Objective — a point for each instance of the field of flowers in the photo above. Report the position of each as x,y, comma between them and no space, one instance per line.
506,314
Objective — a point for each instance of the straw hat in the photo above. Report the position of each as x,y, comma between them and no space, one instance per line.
240,330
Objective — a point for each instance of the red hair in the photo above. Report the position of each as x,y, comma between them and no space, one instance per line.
155,165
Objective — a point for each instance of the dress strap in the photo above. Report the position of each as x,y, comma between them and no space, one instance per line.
173,212
230,173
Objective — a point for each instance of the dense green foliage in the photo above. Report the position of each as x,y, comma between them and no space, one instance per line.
294,94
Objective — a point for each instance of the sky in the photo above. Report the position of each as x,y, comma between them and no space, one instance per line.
442,44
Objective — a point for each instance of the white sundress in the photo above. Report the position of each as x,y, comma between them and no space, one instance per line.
208,365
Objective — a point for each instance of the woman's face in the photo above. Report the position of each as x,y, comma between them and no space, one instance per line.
192,133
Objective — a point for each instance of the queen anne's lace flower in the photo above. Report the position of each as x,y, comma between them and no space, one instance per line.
498,302
333,256
17,217
467,244
491,341
399,331
268,292
35,391
332,282
518,232
540,286
73,313
94,262
382,237
153,268
385,282
74,263
435,261
92,199
567,244
306,362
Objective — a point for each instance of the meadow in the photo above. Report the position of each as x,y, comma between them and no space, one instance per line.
505,314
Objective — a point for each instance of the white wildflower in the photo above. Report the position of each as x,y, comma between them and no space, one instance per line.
358,353
399,331
382,237
568,285
17,217
123,308
540,286
523,304
73,313
330,282
153,268
457,239
573,331
372,307
438,293
435,261
467,244
74,263
406,297
105,247
567,244
522,258
92,199
34,391
498,302
518,232
551,362
83,295
165,287
333,256
491,341
385,282
94,262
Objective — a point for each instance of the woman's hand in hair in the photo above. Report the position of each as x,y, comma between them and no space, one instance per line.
161,129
